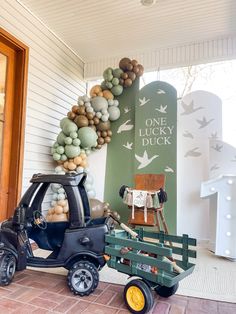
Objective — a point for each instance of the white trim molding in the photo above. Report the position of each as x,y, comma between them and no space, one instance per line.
211,50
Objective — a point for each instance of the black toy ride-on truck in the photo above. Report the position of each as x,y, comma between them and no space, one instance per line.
84,245
77,244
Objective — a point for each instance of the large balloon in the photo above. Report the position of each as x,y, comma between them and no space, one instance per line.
88,137
98,103
114,113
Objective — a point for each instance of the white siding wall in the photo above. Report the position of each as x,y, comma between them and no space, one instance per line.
55,81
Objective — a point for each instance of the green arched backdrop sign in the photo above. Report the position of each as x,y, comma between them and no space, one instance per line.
144,141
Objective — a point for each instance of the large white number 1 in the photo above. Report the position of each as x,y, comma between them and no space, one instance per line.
223,215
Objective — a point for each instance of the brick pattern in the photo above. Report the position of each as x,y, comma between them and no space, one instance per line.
42,293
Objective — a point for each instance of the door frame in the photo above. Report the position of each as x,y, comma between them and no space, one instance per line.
17,150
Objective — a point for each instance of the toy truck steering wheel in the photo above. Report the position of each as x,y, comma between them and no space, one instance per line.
39,220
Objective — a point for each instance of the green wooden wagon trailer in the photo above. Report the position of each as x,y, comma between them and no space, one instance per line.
158,262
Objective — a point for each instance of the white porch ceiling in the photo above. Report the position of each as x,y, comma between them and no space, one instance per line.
99,29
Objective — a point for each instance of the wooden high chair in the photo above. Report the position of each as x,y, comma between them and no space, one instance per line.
151,183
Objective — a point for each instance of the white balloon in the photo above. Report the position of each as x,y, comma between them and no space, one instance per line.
104,111
80,102
105,118
61,196
58,169
80,169
61,190
89,179
53,203
88,186
55,187
91,194
86,98
98,114
62,172
88,104
55,196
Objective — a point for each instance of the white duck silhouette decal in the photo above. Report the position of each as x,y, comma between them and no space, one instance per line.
128,145
143,101
145,160
217,148
160,91
162,109
203,123
188,109
126,110
168,169
125,127
193,153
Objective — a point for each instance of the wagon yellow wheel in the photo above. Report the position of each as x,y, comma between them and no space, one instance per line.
138,296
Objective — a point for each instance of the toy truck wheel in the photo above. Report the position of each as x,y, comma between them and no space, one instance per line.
138,296
166,292
83,278
7,268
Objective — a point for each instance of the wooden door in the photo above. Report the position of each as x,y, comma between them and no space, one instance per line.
7,87
13,75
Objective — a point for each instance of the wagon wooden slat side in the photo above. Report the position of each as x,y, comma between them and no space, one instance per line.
154,252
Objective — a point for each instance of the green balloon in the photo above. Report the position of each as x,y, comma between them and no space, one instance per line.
63,157
55,145
60,150
76,142
73,135
61,138
69,126
62,122
115,81
68,140
56,156
117,90
117,72
72,151
88,137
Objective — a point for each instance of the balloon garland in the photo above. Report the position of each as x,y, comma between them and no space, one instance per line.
86,128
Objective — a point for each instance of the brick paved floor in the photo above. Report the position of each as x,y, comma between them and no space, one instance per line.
38,292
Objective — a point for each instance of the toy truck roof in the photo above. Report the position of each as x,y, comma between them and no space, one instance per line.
65,179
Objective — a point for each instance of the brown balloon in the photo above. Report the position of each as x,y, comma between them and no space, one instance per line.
129,66
141,70
109,133
104,126
136,69
71,115
75,108
107,139
89,115
134,62
128,82
81,110
96,120
124,62
96,208
81,121
104,134
124,75
121,81
101,141
131,75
